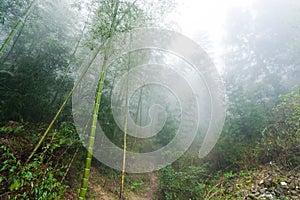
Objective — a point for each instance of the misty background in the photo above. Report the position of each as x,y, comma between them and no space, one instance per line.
45,47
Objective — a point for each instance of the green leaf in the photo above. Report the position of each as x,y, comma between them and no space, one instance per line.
15,185
6,72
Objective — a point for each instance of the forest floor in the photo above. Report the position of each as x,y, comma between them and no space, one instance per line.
151,190
108,189
269,181
111,193
266,182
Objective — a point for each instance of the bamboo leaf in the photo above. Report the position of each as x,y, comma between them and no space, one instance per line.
6,72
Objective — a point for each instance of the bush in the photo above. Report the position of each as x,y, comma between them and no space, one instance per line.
282,138
185,184
32,181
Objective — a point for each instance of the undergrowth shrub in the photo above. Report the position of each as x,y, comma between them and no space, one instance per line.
184,184
31,181
44,176
281,139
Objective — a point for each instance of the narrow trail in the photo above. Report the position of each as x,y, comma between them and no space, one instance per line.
152,192
97,192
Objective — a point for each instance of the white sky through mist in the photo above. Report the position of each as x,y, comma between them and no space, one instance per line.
195,18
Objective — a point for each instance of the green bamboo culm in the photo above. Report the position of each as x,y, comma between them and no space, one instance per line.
17,27
121,197
72,58
6,72
114,24
85,69
63,105
89,156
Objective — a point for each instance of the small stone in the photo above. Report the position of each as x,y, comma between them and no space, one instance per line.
263,190
277,192
253,190
266,196
283,183
294,192
256,194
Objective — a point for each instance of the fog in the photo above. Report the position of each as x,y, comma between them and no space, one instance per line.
156,80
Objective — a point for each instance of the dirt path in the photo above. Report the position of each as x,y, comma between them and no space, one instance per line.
97,192
152,192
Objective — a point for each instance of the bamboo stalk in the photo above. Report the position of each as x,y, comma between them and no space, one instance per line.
70,164
48,145
125,137
138,118
124,156
14,43
16,28
71,92
89,156
71,58
124,151
63,105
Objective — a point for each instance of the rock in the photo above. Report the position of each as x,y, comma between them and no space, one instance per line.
253,190
293,192
283,183
261,182
266,196
262,190
269,183
277,192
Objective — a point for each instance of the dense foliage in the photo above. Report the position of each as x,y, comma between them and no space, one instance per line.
43,178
